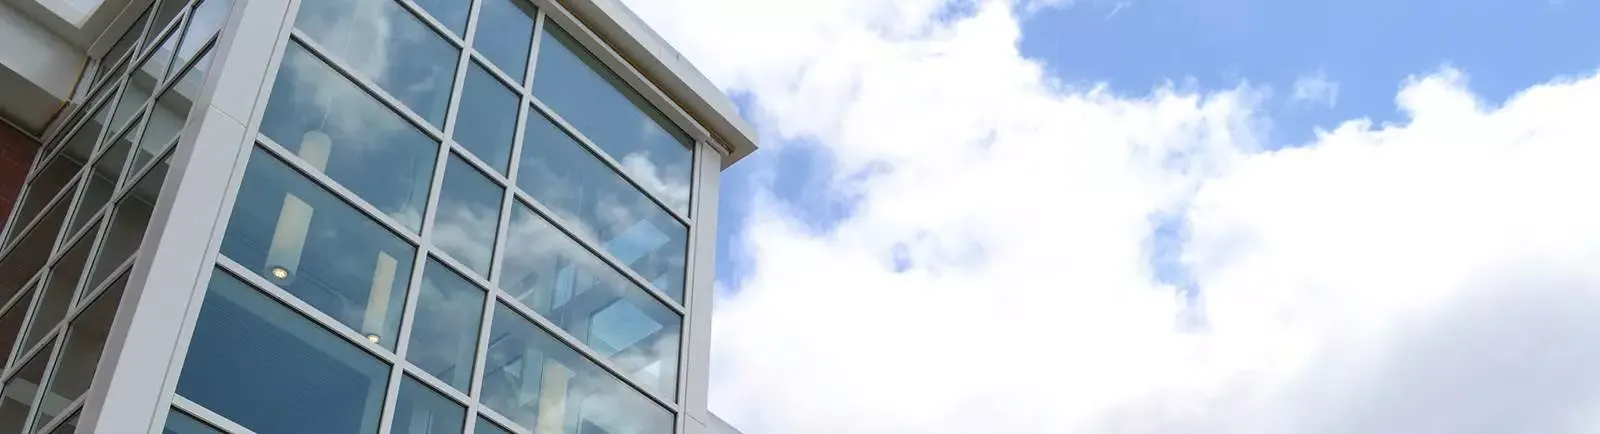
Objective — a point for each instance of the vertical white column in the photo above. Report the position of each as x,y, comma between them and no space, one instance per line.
138,370
702,274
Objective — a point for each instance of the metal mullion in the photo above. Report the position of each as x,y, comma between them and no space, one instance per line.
612,163
371,88
40,389
494,70
100,288
503,229
434,24
57,144
12,301
25,356
459,268
691,262
533,49
206,416
337,190
594,249
435,383
70,411
121,191
29,288
65,194
582,348
280,295
502,420
477,163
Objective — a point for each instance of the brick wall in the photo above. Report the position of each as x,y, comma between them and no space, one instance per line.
16,153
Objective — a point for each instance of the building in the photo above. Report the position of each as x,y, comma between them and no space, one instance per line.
355,216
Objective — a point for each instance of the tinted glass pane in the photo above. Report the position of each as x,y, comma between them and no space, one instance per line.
102,180
421,410
273,371
58,290
31,252
125,43
487,427
168,116
505,35
561,280
157,68
75,368
346,133
601,207
128,222
537,381
606,110
444,334
68,426
387,45
17,397
319,248
46,186
207,18
451,13
469,212
487,120
180,423
11,324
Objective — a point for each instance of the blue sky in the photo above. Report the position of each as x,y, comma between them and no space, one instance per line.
1367,47
989,217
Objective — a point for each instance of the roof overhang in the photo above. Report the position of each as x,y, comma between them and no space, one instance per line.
670,71
46,45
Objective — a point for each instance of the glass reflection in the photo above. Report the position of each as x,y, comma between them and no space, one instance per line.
319,248
444,334
451,13
31,251
339,129
505,35
487,427
271,370
421,410
68,426
58,291
468,214
180,423
547,387
16,399
11,324
558,278
585,93
128,223
75,367
487,120
169,114
102,182
383,42
602,207
204,22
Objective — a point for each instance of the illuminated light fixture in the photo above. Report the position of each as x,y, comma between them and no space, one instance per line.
294,219
372,337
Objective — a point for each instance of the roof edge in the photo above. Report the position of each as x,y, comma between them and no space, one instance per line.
669,70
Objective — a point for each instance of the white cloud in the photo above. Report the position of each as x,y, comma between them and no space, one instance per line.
1429,276
1316,89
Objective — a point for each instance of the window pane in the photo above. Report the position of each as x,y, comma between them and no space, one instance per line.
389,46
75,368
601,207
537,381
68,426
444,334
128,223
487,121
561,280
207,18
621,122
421,410
58,290
19,393
505,35
50,182
11,324
169,115
271,370
159,64
469,212
179,422
102,181
347,134
487,427
125,43
451,13
319,248
31,252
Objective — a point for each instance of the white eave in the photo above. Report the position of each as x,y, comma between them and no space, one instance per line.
669,71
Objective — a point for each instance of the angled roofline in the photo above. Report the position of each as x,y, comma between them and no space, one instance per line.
669,70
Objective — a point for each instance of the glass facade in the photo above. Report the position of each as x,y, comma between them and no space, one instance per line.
80,225
446,216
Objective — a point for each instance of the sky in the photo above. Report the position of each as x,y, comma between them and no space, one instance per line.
1155,216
